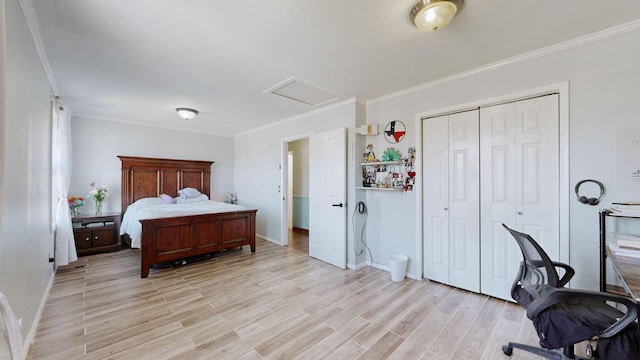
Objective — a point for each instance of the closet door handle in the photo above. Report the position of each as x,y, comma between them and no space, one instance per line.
519,212
337,205
446,209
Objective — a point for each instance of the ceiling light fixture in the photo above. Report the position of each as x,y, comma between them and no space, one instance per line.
431,15
186,113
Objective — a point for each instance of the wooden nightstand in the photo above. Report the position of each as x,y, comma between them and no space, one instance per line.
95,234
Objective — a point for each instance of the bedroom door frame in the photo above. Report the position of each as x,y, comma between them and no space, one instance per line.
284,170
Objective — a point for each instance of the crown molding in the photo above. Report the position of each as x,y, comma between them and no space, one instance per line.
32,23
300,116
528,56
126,122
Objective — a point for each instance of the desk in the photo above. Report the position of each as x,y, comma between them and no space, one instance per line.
628,271
627,268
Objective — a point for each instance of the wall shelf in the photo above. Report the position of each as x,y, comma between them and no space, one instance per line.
377,188
380,163
382,175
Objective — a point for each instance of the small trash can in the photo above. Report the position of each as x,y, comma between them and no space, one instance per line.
398,267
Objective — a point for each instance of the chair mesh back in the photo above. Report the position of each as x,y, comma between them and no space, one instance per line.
538,269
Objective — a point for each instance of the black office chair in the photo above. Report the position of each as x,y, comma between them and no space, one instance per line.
564,317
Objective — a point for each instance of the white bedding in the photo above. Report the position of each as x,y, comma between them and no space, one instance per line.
154,208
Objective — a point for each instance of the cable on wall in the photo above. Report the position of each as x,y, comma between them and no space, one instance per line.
361,208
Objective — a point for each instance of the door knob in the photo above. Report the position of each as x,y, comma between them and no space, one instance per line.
337,205
519,212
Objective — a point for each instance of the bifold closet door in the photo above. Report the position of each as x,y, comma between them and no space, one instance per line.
436,198
519,152
451,201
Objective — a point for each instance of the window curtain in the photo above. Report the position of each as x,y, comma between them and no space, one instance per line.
12,333
65,247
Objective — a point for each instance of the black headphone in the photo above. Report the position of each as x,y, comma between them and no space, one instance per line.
590,201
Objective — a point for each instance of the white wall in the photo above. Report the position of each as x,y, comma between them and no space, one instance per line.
97,143
391,215
300,164
26,242
258,156
603,86
300,150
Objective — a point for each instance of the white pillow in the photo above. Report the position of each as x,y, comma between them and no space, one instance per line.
202,197
189,193
148,201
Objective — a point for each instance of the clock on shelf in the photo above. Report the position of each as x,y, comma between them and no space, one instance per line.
394,131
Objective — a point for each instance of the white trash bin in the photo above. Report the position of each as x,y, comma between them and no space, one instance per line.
398,267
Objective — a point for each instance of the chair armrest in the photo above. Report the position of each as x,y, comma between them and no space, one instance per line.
568,273
558,295
562,281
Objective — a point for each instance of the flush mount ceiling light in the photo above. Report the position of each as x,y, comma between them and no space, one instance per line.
431,15
187,113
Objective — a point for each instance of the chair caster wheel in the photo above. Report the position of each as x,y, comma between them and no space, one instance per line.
507,350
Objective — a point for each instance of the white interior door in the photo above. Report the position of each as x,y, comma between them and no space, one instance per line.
538,208
451,200
500,256
464,200
520,185
327,197
436,198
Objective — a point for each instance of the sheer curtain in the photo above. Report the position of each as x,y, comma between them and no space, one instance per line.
65,247
11,325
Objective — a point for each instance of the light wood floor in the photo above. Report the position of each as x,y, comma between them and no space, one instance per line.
299,239
275,304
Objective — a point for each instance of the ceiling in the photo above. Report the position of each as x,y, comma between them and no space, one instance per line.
136,61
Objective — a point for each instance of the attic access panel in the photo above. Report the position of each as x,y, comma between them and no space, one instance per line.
303,91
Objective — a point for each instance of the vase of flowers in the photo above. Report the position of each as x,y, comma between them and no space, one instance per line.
75,203
98,193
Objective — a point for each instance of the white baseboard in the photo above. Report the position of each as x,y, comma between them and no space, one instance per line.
269,239
378,266
31,335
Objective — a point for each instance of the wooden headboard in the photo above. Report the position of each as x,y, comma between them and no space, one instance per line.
149,177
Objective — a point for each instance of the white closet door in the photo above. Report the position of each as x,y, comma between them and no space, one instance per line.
451,200
538,207
464,198
436,198
519,149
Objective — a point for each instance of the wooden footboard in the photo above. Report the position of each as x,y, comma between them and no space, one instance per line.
175,238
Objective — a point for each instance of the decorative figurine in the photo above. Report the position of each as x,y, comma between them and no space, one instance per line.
371,157
391,154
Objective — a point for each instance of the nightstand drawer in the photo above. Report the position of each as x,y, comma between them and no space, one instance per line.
83,238
104,236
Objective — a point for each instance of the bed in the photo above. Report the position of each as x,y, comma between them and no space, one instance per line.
172,235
